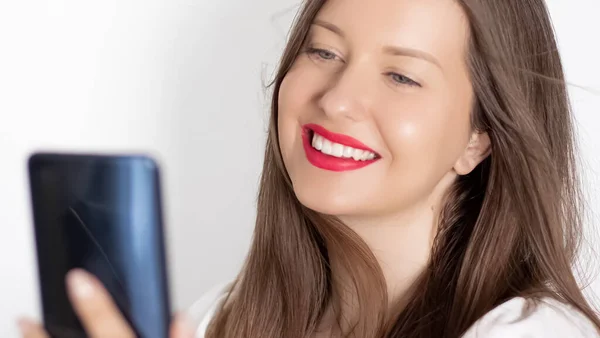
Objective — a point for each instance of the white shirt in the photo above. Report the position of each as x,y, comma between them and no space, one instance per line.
550,319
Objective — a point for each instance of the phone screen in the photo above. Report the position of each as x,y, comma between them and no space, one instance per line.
102,214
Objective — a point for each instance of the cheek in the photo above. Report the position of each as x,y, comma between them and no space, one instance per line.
425,139
285,109
292,108
298,88
296,103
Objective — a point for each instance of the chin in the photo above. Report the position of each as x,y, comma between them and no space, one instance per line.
327,201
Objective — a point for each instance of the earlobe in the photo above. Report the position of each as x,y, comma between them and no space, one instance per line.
477,150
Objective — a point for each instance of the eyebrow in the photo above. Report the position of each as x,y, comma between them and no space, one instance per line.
392,50
415,53
329,26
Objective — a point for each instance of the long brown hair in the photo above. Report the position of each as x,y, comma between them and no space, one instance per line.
508,229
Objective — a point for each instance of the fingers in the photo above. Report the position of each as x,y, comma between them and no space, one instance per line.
181,328
97,312
31,329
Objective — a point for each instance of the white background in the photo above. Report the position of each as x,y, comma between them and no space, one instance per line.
181,80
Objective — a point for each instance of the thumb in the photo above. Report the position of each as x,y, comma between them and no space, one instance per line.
182,327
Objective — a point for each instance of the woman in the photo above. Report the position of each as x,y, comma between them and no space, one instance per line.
419,181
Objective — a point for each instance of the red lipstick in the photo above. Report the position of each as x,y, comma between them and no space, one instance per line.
329,162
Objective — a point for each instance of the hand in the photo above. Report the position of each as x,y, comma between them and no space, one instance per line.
99,315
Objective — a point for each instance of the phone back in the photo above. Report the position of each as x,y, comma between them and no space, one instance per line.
102,214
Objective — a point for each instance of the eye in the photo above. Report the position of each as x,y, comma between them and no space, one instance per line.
400,79
321,53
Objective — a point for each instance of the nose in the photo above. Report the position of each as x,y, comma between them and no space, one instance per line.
346,96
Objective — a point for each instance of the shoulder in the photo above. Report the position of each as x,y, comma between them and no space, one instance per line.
202,310
549,319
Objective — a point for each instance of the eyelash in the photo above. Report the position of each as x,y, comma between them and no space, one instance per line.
319,52
404,80
398,79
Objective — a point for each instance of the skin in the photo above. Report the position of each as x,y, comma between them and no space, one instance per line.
412,107
354,85
98,313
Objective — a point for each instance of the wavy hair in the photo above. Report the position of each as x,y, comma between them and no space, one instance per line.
508,229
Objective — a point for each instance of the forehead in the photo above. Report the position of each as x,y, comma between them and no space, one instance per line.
438,27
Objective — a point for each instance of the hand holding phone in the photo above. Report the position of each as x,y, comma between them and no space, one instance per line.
101,214
98,313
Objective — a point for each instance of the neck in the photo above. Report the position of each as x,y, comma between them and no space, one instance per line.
401,243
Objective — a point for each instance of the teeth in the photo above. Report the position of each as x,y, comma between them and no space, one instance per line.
357,156
348,151
317,142
338,150
327,147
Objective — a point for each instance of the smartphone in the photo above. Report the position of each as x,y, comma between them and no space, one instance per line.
103,214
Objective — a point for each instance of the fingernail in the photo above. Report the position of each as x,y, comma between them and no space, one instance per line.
24,326
80,283
186,325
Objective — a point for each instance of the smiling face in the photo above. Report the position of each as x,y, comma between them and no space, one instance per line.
375,111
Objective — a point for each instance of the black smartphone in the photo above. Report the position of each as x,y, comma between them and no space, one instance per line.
103,214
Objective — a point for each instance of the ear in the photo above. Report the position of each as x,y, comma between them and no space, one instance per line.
478,148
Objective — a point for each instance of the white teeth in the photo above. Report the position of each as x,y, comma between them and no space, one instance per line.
327,147
357,154
339,150
318,142
348,151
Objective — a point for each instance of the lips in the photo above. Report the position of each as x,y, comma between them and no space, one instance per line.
335,152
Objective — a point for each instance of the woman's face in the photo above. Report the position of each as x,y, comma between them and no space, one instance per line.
375,111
